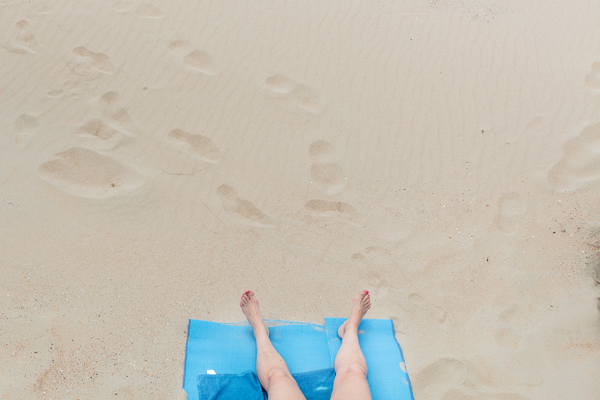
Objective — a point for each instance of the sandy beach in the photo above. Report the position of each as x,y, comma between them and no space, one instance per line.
159,158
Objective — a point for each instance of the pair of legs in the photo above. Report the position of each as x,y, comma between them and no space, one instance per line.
350,366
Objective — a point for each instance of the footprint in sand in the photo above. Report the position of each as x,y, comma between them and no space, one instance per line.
23,41
198,145
324,172
25,127
86,173
440,375
592,232
280,83
372,271
185,153
97,128
103,137
592,80
69,89
511,208
91,65
307,98
425,309
512,327
334,209
245,209
302,95
122,7
115,115
415,313
452,379
43,9
148,10
196,60
580,163
367,272
508,337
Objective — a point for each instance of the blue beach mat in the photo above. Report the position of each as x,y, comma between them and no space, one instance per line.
222,357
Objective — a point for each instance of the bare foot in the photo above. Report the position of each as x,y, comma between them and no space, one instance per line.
249,304
360,306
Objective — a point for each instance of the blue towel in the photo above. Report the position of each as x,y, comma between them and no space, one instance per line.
315,385
230,387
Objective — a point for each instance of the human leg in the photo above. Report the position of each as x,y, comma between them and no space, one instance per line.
350,366
272,371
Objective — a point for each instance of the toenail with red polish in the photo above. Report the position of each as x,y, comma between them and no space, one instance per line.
366,292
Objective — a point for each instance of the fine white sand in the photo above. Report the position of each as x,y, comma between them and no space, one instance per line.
159,158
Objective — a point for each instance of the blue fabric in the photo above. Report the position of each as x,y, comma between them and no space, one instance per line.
230,349
230,387
315,385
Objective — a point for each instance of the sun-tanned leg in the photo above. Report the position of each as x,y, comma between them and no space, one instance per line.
272,371
350,365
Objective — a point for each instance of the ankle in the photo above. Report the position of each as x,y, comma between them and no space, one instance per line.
261,332
351,329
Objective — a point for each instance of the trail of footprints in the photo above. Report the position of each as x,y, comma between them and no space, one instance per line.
96,171
327,174
87,173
